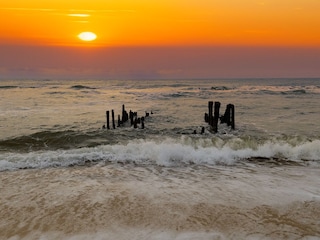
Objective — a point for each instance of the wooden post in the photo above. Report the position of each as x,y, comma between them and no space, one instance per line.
131,118
226,116
135,122
216,109
206,117
124,114
216,116
210,119
232,121
113,124
108,117
119,120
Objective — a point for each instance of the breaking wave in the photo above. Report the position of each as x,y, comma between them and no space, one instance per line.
169,152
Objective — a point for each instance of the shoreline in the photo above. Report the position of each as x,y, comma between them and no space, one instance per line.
222,201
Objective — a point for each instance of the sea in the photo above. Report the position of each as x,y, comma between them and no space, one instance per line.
66,173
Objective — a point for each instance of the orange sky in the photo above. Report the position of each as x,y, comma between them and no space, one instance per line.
161,22
159,38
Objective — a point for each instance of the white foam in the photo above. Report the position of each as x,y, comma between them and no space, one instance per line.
166,152
132,202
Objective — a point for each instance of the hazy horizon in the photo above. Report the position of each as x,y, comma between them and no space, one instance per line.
158,62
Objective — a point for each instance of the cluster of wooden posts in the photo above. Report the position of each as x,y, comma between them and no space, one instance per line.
132,116
212,118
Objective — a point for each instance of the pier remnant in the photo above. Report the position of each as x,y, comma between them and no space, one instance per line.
113,123
232,116
213,119
119,121
210,117
216,116
229,116
108,118
133,116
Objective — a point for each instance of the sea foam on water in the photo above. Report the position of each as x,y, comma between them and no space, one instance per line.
64,177
132,202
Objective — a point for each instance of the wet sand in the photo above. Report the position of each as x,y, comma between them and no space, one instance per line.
132,202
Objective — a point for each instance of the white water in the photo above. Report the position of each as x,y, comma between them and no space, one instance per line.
128,202
168,152
63,177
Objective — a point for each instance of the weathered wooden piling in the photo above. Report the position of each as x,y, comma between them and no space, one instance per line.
134,119
124,114
210,117
216,116
232,117
131,118
113,123
108,118
216,109
206,117
226,117
229,116
135,122
119,121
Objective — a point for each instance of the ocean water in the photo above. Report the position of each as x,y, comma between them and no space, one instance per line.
63,176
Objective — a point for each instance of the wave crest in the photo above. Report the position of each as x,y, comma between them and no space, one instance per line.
169,152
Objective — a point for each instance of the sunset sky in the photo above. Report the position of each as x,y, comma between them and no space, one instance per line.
160,39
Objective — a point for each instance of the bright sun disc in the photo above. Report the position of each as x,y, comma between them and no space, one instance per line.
87,36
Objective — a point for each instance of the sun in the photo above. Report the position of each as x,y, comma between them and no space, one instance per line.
87,36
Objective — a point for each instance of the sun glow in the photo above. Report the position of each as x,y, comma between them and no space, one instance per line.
87,36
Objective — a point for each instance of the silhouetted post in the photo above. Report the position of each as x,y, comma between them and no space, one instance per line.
210,105
124,114
108,117
113,124
142,122
135,122
131,117
206,117
216,116
232,116
119,121
226,116
216,109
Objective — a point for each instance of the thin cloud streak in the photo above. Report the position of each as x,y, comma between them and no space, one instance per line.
30,9
69,10
82,15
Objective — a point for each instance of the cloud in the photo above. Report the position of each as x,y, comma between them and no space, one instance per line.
82,15
30,9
